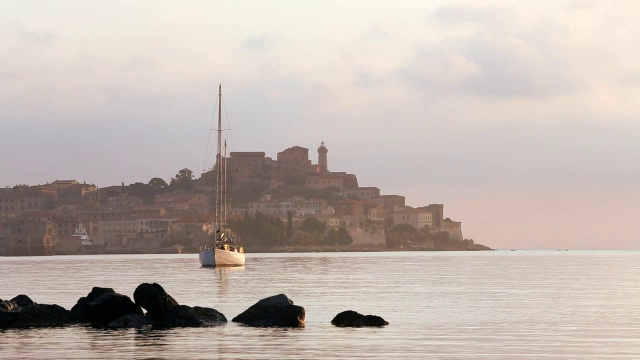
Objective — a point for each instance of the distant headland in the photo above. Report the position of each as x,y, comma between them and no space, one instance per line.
286,204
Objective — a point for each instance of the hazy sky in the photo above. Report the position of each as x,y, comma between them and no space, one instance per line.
522,117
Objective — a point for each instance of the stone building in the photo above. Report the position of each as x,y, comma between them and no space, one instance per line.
27,237
293,165
20,199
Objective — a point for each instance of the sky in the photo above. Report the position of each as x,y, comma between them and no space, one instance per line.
521,117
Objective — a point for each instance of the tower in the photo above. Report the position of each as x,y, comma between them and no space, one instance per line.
322,158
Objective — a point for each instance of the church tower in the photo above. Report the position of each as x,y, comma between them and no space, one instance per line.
322,158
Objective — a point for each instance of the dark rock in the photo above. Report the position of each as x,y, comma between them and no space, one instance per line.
277,311
102,306
80,309
8,305
23,300
131,321
96,292
36,315
351,318
154,299
187,316
16,303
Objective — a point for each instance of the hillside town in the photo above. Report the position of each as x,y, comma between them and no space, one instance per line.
73,217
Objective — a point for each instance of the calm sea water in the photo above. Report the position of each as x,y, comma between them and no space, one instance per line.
445,305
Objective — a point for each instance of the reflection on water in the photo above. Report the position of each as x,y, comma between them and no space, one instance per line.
489,305
225,279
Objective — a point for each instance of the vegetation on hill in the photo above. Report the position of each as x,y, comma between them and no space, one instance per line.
260,230
406,236
264,231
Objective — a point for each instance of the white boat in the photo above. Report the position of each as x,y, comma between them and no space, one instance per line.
223,251
82,234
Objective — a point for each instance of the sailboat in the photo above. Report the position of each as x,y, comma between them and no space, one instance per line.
223,251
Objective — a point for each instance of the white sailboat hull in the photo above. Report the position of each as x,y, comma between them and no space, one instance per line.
220,257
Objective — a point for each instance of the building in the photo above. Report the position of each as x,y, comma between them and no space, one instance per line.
182,202
324,181
27,237
193,230
418,218
244,167
20,199
389,202
437,210
77,194
124,200
61,184
361,193
293,165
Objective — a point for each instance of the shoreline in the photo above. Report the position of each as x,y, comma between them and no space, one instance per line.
275,250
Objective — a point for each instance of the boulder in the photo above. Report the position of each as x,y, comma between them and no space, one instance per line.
16,303
154,299
102,306
23,300
105,307
187,316
276,311
79,309
7,305
22,312
351,318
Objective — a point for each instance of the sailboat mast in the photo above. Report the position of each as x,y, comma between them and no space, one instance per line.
219,166
224,187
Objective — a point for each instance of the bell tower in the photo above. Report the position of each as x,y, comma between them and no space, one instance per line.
322,158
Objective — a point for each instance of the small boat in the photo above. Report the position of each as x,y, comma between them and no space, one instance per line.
223,251
82,234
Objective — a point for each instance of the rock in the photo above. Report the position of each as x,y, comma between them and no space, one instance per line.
8,305
277,311
23,300
102,306
81,308
154,299
131,321
351,318
165,311
187,316
35,316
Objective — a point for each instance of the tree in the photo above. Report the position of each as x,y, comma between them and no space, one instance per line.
344,238
182,180
312,225
400,235
157,184
261,230
184,175
289,232
338,237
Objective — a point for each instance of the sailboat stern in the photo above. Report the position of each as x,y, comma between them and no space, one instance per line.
207,259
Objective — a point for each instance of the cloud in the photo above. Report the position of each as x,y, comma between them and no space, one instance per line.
377,32
257,43
457,15
27,36
366,78
44,38
493,56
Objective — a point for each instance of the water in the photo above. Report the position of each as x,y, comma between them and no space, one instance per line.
440,305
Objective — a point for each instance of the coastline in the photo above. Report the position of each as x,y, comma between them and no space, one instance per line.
284,249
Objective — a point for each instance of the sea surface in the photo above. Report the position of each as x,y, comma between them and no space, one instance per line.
439,305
